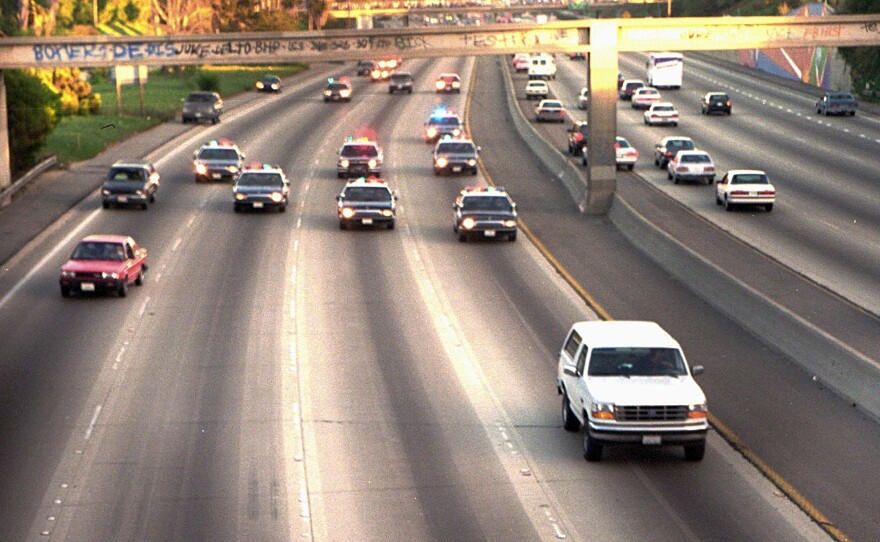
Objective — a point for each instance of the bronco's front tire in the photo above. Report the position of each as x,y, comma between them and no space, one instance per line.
592,449
569,420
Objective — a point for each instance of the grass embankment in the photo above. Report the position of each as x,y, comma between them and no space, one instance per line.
82,137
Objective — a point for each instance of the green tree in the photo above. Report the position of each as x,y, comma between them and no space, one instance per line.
32,113
863,61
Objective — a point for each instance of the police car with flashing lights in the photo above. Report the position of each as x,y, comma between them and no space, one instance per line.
261,186
217,160
359,158
441,123
486,212
455,156
367,202
338,90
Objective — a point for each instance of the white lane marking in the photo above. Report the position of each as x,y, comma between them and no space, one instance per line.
143,307
176,244
191,220
299,222
47,257
303,500
159,276
295,250
93,422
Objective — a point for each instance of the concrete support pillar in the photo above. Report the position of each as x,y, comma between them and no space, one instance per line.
364,22
602,114
5,175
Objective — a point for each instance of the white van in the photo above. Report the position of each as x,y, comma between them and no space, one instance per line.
542,66
629,383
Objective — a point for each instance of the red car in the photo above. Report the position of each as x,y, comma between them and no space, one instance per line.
104,263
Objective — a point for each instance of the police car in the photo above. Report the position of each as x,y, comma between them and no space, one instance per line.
455,156
217,160
338,90
484,211
442,122
359,158
366,202
261,186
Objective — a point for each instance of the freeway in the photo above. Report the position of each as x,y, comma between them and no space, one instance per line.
278,378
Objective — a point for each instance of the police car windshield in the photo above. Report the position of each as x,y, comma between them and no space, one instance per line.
445,121
636,362
218,154
260,179
366,193
359,150
486,203
456,147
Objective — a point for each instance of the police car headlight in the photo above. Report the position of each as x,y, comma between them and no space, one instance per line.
327,93
276,197
510,223
471,162
432,132
347,212
240,196
105,192
68,274
275,86
468,223
260,85
109,275
372,163
201,169
139,193
456,131
345,93
456,84
442,162
387,212
232,169
343,163
440,84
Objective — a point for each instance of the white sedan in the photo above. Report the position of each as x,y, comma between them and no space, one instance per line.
691,165
745,187
550,111
625,154
584,98
537,90
644,97
661,113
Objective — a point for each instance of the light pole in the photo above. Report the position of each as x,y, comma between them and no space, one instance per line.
669,8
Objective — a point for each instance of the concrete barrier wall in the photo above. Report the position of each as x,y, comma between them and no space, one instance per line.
850,374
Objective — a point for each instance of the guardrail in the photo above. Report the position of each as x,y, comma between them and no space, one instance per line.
44,164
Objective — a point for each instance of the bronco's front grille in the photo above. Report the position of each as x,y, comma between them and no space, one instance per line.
662,413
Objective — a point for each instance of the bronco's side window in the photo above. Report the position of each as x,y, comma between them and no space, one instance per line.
582,360
572,343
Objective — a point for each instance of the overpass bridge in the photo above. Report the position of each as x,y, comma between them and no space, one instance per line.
601,39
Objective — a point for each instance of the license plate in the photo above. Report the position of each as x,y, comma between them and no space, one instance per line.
122,199
258,205
215,175
456,169
489,233
753,194
367,221
651,440
198,114
87,287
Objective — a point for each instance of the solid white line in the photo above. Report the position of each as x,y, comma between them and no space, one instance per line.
144,307
93,422
47,257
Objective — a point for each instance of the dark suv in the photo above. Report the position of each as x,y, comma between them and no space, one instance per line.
716,102
400,81
217,160
455,156
200,105
130,182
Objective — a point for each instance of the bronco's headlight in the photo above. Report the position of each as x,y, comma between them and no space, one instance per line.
510,223
387,212
602,411
109,275
372,163
105,192
471,162
468,223
232,169
240,196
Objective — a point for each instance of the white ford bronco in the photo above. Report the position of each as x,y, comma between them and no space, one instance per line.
629,383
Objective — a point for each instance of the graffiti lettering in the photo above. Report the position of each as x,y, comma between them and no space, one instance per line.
404,43
696,34
819,32
871,27
44,53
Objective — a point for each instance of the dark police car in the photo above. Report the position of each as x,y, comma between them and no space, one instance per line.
217,160
359,158
455,156
261,186
337,90
367,202
487,212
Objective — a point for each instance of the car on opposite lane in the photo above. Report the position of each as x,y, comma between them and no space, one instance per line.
447,83
693,165
130,182
104,264
537,90
668,146
261,186
202,105
359,158
364,67
486,212
716,102
550,111
745,187
660,114
366,202
217,160
837,103
455,156
269,83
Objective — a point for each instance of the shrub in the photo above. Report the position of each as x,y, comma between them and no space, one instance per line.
208,81
32,113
